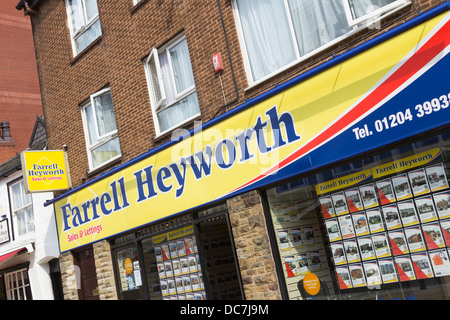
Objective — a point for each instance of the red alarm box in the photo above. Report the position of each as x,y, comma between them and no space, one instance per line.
217,62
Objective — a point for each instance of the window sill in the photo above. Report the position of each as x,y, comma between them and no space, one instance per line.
137,6
85,50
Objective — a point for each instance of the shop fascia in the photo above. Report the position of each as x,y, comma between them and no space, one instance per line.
267,132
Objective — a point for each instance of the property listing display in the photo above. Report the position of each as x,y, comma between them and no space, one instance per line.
299,236
390,223
178,265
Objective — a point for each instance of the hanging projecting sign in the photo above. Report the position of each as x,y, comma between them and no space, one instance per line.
45,171
385,93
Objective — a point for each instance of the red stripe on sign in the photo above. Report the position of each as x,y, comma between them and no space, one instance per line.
405,71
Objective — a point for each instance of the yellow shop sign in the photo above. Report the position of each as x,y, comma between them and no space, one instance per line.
45,171
330,115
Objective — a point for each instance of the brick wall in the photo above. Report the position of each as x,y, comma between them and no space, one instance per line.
20,100
115,60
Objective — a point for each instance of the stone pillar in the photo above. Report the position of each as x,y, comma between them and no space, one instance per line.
69,276
253,249
105,272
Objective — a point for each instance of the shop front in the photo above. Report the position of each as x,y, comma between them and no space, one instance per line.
181,259
346,168
375,227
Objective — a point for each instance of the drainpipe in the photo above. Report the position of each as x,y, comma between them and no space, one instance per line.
225,106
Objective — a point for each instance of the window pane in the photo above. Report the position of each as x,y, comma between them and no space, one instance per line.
105,152
89,35
26,196
169,89
360,8
154,80
16,192
182,110
267,35
90,119
181,64
29,219
104,108
21,222
127,261
91,9
75,17
317,22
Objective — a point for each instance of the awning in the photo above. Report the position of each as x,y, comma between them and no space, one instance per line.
11,254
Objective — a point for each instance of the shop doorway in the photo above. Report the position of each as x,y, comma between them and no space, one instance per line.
190,257
88,289
221,268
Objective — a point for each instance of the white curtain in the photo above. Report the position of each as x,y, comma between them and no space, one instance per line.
89,35
105,152
267,35
176,81
182,70
362,7
179,112
106,120
75,15
90,119
317,22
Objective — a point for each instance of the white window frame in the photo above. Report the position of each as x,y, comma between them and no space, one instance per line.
155,56
101,139
368,19
156,105
23,207
374,15
86,24
15,284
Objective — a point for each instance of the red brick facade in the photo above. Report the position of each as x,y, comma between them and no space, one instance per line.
20,100
115,60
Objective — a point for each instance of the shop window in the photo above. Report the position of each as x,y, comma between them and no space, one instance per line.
170,259
100,129
17,285
171,86
130,279
378,231
277,34
84,23
22,208
178,269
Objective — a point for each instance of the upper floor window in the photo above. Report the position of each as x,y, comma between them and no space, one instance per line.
171,85
22,208
276,34
100,129
84,23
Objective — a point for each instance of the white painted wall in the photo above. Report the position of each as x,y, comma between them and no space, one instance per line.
42,244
